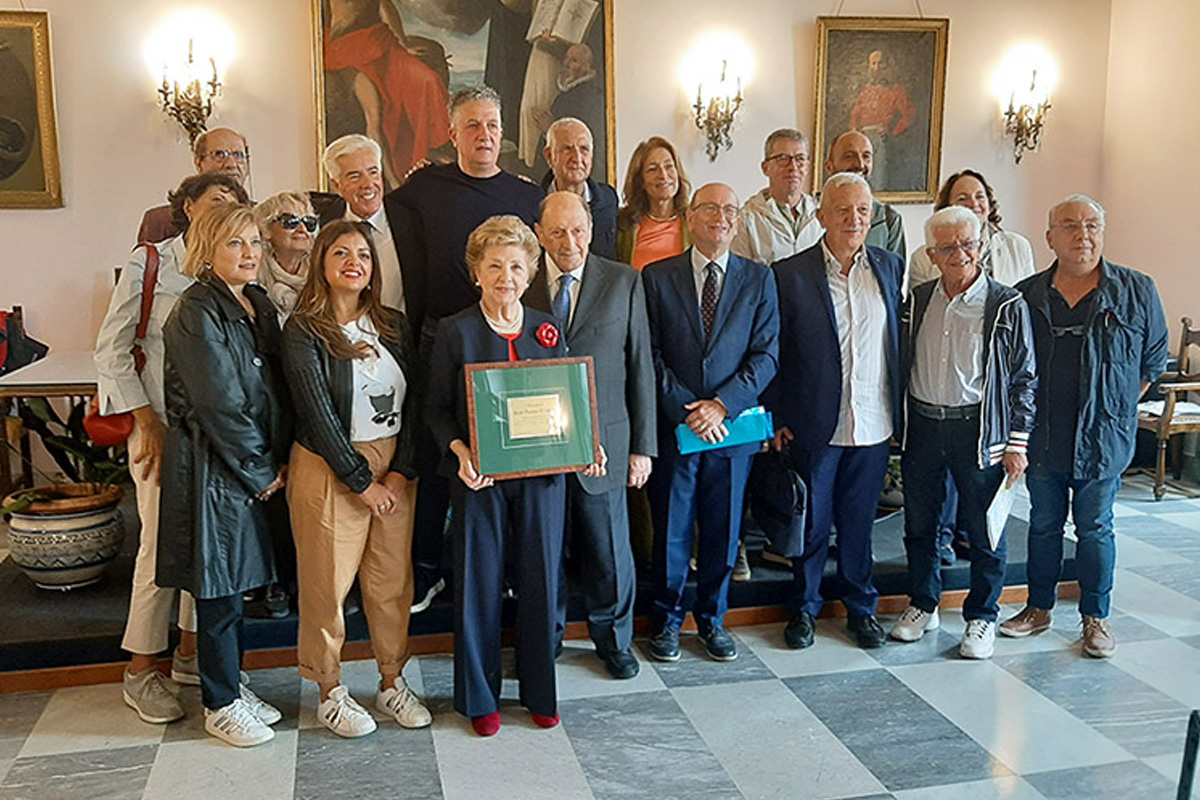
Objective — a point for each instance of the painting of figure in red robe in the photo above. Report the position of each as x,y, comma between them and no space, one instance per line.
388,67
885,78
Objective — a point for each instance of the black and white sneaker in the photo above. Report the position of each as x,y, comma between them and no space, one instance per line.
425,591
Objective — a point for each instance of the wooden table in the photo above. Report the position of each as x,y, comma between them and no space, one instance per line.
62,373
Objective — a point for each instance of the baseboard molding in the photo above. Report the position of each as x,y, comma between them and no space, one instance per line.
93,674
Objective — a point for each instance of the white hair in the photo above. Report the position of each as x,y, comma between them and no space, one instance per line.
844,179
1071,200
348,145
952,217
559,124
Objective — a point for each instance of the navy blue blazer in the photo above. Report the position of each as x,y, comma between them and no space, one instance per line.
466,338
739,360
809,393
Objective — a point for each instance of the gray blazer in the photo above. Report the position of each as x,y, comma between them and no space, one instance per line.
611,326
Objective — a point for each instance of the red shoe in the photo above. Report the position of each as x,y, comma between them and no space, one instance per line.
488,724
542,721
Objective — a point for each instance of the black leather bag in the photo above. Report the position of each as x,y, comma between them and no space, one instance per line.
779,502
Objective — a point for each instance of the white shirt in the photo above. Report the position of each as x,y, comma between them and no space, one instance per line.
948,360
700,272
390,280
865,415
553,273
770,231
119,385
379,387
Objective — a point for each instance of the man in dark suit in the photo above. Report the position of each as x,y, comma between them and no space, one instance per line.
601,307
569,151
714,328
839,347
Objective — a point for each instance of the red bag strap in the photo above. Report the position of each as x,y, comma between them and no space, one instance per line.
149,279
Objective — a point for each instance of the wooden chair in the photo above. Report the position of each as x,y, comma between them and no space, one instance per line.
1174,414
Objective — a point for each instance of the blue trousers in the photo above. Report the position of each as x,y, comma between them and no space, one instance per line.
520,522
1091,504
219,649
936,447
704,491
843,490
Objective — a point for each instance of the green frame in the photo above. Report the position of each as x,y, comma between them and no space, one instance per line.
555,391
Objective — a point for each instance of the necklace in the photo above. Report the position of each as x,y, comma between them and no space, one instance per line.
671,218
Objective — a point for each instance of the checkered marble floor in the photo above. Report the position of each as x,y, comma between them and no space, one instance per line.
1037,722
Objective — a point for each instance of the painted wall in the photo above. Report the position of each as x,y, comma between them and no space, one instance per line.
1151,165
119,154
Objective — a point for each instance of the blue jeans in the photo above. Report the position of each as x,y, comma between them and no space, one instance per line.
935,448
1092,509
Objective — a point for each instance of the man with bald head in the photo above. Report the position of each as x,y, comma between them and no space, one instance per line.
839,347
714,329
852,152
602,309
219,150
1101,340
569,151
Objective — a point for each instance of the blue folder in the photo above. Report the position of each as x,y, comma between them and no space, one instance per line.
752,425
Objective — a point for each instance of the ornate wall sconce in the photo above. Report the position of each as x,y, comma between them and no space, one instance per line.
1025,82
716,117
186,99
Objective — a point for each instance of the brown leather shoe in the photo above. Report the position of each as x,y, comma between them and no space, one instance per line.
1031,620
1098,641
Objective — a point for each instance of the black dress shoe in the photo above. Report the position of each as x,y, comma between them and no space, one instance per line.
621,664
664,645
867,631
719,645
799,631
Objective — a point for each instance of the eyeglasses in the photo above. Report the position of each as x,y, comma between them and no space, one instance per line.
289,222
239,156
948,250
712,210
1091,227
784,160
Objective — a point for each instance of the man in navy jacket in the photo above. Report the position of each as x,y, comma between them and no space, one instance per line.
714,333
839,349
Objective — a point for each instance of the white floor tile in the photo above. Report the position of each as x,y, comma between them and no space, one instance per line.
1168,665
1133,552
1019,726
1151,602
207,769
1126,510
771,744
1008,788
520,762
831,652
581,674
88,718
1169,766
1188,519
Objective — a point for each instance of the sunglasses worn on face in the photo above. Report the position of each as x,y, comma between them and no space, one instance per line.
290,222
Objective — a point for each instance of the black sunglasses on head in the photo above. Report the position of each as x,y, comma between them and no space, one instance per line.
291,221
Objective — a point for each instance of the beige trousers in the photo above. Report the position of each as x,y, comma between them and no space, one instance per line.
149,605
337,538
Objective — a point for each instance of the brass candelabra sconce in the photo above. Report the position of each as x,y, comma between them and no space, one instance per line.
190,101
716,118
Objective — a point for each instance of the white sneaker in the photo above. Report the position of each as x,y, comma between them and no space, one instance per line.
342,714
913,624
268,713
399,702
237,724
979,639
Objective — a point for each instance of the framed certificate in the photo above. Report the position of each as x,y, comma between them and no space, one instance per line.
532,418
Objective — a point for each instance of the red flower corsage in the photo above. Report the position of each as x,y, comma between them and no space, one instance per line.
547,335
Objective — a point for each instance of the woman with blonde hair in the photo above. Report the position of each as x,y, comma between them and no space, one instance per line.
352,485
650,226
289,225
224,457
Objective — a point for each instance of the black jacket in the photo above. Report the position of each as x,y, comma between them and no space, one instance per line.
229,431
603,206
1009,367
322,388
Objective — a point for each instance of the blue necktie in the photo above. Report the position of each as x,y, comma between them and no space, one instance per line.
561,307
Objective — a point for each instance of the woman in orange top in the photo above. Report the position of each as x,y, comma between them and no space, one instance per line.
650,225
